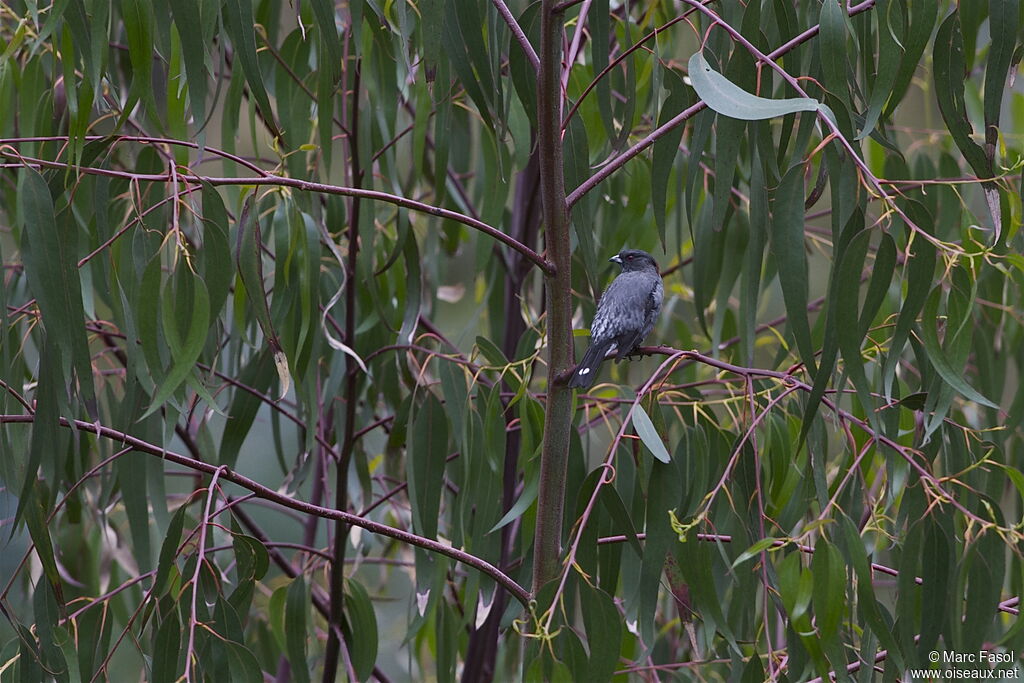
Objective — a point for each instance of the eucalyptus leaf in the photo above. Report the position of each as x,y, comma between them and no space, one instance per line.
727,98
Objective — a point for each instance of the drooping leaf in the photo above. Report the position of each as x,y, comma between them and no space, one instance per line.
922,16
185,352
1004,25
193,51
296,621
249,257
525,500
51,265
787,244
239,23
726,98
428,449
139,26
938,357
361,635
604,627
832,39
919,271
666,148
167,649
648,434
948,56
885,78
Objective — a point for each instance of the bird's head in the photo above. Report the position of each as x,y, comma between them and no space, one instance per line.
634,259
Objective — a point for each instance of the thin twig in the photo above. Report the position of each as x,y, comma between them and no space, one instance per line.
272,180
273,496
517,33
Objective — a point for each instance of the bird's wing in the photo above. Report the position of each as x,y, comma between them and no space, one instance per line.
654,299
623,305
635,306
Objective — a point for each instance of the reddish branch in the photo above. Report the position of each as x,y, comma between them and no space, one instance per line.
273,496
273,180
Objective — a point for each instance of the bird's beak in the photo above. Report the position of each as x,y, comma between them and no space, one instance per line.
616,259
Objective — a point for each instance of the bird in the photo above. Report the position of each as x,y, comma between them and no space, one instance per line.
625,315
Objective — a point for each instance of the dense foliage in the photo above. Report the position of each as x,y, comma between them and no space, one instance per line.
289,291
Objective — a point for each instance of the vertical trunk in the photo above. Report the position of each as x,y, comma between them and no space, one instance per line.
557,416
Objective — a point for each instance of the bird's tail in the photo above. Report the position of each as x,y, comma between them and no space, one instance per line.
587,370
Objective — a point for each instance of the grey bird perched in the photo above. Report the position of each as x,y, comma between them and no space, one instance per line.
625,314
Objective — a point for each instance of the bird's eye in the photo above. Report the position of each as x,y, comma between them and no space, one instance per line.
629,258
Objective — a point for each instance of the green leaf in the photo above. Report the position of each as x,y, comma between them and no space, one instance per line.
949,71
832,48
937,567
984,565
138,25
845,296
787,245
620,515
462,31
725,97
524,76
132,479
48,611
257,374
878,285
576,165
243,663
524,501
327,39
729,133
919,270
239,23
250,268
888,62
169,551
1004,25
79,23
753,259
150,338
953,376
215,255
829,594
662,493
167,649
754,550
251,563
51,266
414,285
695,561
296,621
427,451
36,520
795,588
666,147
185,353
867,604
604,627
922,16
193,51
648,434
491,352
362,636
600,40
